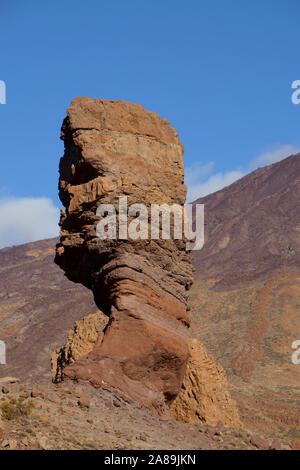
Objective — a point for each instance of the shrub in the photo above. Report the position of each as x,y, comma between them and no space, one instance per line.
14,408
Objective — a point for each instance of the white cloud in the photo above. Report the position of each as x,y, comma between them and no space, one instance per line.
212,184
25,220
201,180
198,172
273,156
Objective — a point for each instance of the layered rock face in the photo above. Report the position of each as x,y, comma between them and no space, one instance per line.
114,149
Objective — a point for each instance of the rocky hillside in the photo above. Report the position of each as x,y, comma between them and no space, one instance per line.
77,416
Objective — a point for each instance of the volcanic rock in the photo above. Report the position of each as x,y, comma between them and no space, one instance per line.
114,149
204,396
81,340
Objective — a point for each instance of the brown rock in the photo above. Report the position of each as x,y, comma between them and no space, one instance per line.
8,380
114,148
81,340
43,443
12,444
25,441
117,403
44,418
211,431
204,395
84,401
53,397
259,443
2,434
37,393
220,427
276,445
296,444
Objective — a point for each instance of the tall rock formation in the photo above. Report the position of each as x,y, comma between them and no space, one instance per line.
114,149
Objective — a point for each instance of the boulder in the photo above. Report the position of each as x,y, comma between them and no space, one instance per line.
204,396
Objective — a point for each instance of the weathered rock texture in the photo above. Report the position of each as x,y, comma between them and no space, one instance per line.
114,148
81,340
204,396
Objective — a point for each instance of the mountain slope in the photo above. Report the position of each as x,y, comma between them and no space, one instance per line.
252,227
38,305
246,296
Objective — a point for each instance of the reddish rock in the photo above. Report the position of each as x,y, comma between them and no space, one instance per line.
84,401
211,431
259,443
296,444
37,393
220,427
217,430
275,446
114,148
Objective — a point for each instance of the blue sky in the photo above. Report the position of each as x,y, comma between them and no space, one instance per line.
219,70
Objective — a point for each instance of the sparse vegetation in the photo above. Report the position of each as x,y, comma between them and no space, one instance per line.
14,408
